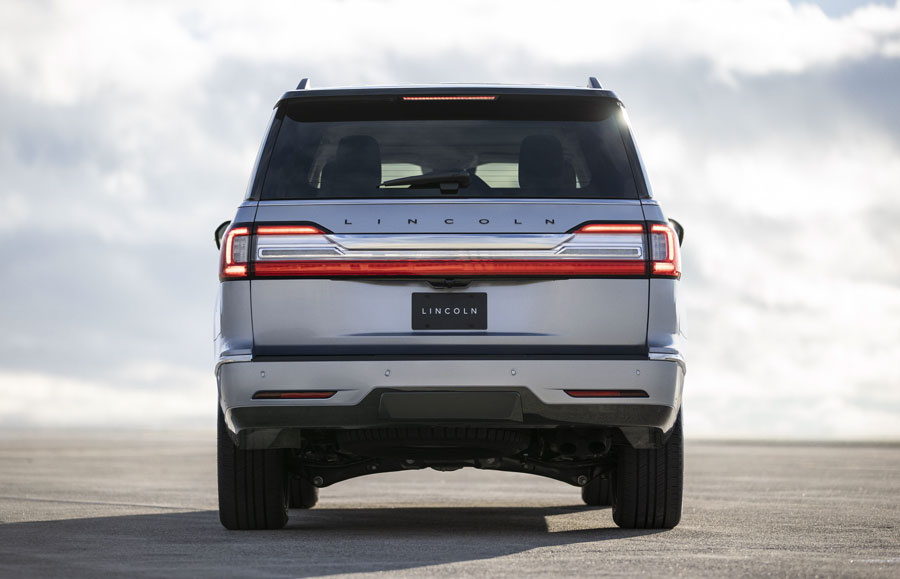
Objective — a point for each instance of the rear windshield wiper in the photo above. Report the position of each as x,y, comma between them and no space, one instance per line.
448,182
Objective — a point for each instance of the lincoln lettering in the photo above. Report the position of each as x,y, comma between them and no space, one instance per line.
452,221
449,311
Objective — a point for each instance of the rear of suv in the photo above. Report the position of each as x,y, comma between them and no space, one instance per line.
449,276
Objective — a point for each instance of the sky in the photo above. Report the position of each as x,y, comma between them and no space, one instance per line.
770,129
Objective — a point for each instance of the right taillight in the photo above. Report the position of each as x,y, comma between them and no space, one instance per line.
665,254
235,254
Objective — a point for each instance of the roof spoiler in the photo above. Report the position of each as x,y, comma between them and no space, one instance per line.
592,83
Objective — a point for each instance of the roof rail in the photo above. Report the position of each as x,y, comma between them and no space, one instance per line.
304,84
592,82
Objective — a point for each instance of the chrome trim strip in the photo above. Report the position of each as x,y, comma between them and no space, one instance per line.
669,357
443,201
426,241
230,359
447,246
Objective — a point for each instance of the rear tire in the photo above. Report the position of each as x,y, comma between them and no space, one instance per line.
598,492
303,495
648,484
253,485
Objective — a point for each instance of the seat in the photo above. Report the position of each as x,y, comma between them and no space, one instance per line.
541,163
357,166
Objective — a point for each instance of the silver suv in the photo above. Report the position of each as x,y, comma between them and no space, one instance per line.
449,276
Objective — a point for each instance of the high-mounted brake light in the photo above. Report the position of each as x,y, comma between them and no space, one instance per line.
664,251
451,98
235,253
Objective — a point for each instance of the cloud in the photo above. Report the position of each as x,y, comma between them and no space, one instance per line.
769,129
64,56
145,395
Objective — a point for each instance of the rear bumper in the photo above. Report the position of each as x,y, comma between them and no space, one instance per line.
528,393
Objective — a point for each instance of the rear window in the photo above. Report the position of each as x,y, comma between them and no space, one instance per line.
513,146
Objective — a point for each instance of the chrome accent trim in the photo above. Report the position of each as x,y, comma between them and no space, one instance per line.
441,201
426,241
294,252
230,359
631,252
669,357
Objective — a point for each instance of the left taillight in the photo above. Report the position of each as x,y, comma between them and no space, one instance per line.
234,262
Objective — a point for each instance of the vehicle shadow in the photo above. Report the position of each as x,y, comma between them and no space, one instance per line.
321,541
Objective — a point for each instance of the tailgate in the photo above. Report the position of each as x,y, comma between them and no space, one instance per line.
457,277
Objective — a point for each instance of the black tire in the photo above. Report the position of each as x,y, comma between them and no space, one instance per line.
598,492
253,485
303,495
648,484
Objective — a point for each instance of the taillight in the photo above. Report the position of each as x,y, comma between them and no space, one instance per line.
665,254
235,254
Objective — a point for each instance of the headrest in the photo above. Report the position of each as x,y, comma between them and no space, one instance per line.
358,164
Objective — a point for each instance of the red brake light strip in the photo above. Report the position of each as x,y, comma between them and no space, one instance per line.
611,228
449,267
289,230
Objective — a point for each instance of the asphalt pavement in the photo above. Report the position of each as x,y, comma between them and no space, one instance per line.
76,504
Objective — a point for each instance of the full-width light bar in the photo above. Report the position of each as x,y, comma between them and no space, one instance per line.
307,250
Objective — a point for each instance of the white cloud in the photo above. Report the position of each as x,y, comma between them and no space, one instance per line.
14,211
792,283
145,395
86,49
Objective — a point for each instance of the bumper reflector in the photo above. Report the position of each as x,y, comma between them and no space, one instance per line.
292,394
607,394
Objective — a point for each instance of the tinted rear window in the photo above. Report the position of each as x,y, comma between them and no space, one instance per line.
514,146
